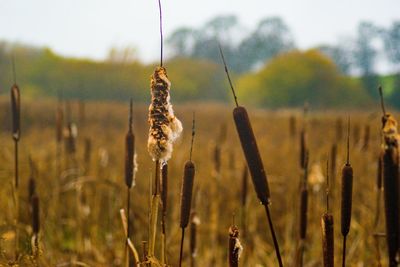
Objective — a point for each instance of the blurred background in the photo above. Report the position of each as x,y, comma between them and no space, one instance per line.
281,53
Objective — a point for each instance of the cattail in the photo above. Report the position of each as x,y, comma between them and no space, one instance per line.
391,171
303,212
35,214
327,239
31,181
130,166
253,158
70,141
235,248
252,154
347,191
391,195
165,128
194,223
16,112
327,229
186,193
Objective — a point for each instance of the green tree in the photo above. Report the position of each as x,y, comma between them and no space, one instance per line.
292,78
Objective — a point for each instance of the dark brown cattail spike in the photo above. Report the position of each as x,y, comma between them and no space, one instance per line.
186,193
303,212
129,174
327,229
347,191
16,133
234,248
245,177
253,158
35,215
129,153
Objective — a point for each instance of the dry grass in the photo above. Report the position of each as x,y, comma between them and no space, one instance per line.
90,201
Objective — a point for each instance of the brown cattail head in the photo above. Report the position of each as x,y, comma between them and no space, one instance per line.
347,191
303,212
391,195
327,239
130,153
391,176
164,188
16,112
235,248
252,154
35,214
245,177
303,148
186,193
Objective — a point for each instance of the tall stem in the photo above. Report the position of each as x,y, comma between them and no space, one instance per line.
274,239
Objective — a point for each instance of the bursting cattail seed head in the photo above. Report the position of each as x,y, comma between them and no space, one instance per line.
16,112
252,154
235,248
186,193
165,128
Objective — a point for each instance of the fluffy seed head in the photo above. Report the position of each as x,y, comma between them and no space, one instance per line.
235,248
165,128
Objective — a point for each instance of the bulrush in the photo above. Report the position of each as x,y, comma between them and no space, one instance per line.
327,229
130,171
347,197
234,247
186,193
303,212
253,158
391,170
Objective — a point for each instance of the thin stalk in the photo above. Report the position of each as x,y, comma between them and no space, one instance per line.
181,249
16,200
274,239
344,252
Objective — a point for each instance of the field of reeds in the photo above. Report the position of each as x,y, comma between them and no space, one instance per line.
75,169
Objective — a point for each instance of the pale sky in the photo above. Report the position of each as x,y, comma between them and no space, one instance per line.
88,28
